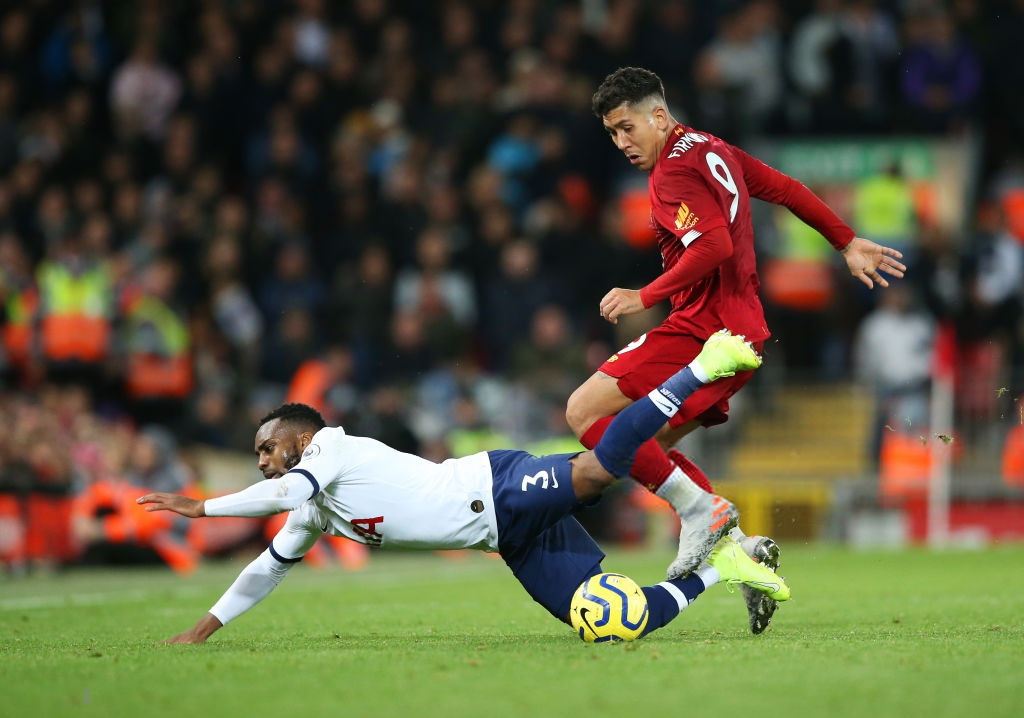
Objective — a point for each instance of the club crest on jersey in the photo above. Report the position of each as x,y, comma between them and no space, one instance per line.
685,219
685,142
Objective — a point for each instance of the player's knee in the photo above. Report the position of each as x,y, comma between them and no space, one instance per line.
577,414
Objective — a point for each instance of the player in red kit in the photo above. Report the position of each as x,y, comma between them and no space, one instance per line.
700,189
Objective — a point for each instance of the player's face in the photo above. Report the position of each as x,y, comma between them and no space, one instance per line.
278,448
639,135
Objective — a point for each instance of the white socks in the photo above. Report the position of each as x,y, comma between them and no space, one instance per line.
708,574
698,372
679,490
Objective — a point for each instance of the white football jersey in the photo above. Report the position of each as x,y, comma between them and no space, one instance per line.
379,496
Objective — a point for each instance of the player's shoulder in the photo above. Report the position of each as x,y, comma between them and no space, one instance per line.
688,147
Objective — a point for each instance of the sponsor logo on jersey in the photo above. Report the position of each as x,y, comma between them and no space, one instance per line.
367,528
685,142
685,219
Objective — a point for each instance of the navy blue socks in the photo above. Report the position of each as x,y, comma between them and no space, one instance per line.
641,420
666,599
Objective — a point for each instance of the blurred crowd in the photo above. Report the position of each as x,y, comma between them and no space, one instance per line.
401,212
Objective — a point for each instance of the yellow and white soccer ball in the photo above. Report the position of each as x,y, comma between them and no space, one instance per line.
609,607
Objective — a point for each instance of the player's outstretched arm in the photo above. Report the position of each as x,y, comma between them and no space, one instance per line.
264,498
184,505
205,628
868,261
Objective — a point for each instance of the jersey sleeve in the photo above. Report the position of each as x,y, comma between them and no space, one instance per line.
698,261
768,184
267,570
264,498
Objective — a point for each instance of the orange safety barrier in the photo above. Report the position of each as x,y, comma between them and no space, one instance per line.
151,377
124,521
905,464
1013,457
1013,207
69,337
635,210
310,383
12,530
803,284
48,529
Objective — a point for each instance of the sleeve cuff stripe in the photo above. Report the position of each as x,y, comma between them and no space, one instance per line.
281,559
689,237
316,486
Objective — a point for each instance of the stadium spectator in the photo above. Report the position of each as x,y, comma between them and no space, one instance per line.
232,306
513,290
439,294
471,432
361,305
143,92
20,298
892,354
324,381
884,207
158,375
811,52
738,73
988,325
551,360
290,339
76,312
941,74
292,284
863,62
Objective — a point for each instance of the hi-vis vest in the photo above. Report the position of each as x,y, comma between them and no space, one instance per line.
159,363
21,308
76,313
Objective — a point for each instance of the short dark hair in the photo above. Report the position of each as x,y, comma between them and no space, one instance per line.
627,85
301,416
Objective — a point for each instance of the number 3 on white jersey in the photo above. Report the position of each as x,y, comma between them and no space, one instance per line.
721,173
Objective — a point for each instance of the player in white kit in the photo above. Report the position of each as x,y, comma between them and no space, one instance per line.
509,502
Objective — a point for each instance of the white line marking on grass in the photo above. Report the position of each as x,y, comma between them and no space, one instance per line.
90,599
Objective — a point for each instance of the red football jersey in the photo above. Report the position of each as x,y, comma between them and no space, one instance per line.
697,185
701,183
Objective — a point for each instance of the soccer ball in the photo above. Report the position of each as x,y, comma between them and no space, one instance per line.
609,607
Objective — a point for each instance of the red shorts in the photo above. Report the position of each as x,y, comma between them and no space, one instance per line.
651,358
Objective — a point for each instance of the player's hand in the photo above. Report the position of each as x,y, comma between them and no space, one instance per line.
204,628
159,501
188,637
620,302
868,261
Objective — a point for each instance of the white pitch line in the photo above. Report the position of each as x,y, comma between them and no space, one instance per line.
89,599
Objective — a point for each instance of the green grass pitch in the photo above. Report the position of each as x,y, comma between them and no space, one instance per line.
901,633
